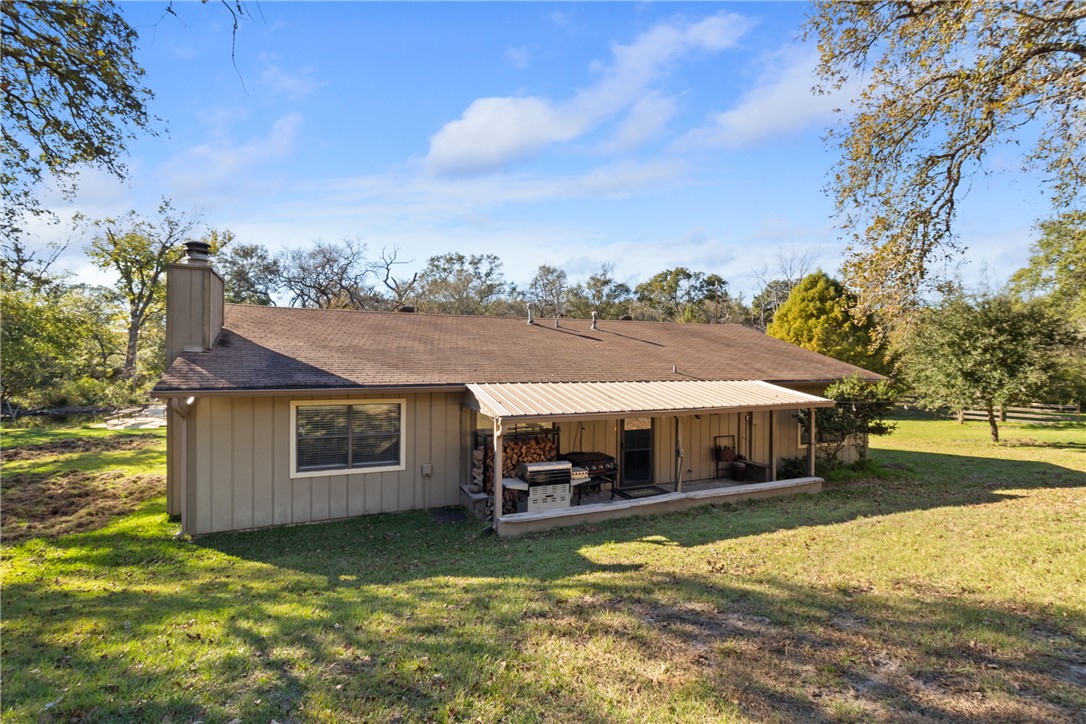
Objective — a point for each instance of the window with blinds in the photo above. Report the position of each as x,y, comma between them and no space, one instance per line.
348,436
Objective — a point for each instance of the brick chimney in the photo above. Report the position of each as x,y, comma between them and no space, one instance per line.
194,302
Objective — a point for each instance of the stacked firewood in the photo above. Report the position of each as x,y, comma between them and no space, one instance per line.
515,450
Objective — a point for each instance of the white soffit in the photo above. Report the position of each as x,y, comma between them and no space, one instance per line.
550,400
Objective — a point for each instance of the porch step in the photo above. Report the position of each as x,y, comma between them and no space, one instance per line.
474,502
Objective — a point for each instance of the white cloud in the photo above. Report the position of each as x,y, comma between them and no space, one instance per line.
519,57
495,132
645,119
560,18
296,83
219,119
782,103
394,199
221,167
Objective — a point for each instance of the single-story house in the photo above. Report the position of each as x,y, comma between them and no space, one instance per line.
283,416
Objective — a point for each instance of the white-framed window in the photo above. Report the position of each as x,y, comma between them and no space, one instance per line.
339,437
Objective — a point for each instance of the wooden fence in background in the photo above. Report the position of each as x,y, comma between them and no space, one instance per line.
1030,413
1037,414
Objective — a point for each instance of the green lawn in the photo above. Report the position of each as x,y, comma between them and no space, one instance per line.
954,589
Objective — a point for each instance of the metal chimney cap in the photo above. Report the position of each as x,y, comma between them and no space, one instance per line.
196,253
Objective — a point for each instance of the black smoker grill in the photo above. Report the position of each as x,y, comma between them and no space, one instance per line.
598,468
596,463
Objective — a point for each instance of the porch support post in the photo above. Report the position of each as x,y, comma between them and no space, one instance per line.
772,445
812,435
679,462
498,497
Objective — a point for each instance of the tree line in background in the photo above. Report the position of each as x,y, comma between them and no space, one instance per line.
66,343
71,344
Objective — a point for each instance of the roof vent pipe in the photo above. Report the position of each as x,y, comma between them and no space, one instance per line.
556,321
529,313
196,253
594,321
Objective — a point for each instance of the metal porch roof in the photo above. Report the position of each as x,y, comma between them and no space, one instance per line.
553,400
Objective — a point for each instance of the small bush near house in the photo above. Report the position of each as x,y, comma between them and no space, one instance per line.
832,470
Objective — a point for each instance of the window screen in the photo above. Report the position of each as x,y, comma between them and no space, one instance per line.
338,437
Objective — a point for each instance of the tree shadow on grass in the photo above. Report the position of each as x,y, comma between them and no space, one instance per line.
392,615
391,544
1029,442
230,638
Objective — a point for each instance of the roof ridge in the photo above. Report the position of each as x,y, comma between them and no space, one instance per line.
537,321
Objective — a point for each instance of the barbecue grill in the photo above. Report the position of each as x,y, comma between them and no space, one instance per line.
548,485
556,472
598,468
596,463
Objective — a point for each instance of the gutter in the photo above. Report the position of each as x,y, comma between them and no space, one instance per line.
293,391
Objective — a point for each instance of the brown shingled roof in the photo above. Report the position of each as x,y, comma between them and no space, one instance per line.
275,348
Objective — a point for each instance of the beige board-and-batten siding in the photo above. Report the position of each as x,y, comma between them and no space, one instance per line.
238,464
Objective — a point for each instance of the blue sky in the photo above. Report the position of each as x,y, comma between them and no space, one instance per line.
643,135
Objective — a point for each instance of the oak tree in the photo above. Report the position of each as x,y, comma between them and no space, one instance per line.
457,284
327,275
986,350
941,85
250,274
137,250
548,290
682,295
600,293
73,96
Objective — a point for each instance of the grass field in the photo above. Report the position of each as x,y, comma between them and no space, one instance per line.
953,588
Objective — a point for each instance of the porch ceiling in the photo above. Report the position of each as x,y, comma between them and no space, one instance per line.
556,400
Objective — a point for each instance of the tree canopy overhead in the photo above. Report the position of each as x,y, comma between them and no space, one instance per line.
73,96
943,84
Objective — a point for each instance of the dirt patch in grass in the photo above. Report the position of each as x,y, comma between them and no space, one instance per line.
34,451
49,505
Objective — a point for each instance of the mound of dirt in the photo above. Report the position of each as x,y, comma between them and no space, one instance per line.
50,505
80,445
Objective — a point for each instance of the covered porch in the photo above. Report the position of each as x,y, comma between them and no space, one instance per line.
674,445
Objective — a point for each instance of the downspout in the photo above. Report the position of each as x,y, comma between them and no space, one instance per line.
181,407
178,465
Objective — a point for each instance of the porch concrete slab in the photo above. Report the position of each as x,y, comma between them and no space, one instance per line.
522,523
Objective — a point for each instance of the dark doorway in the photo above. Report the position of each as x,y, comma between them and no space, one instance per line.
637,451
